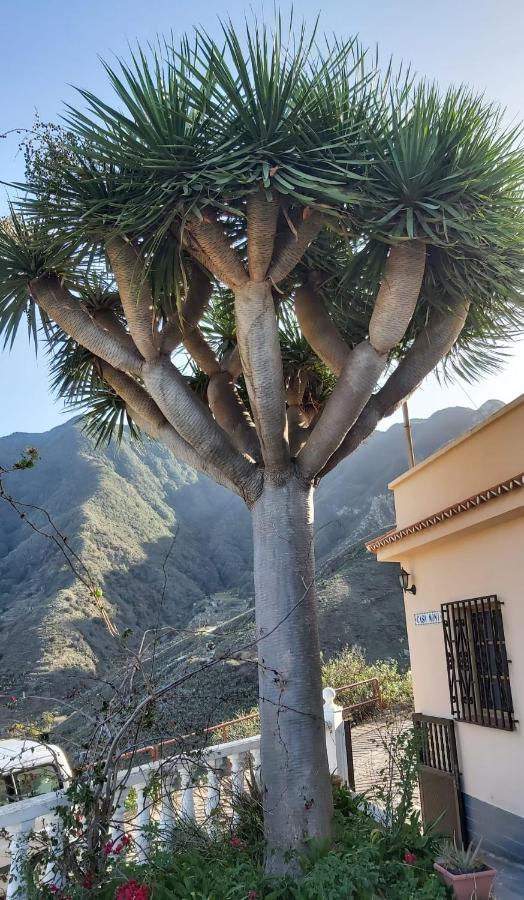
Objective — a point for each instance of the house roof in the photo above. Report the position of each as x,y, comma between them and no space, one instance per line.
456,509
466,436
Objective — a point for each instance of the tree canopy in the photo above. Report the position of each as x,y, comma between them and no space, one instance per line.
295,160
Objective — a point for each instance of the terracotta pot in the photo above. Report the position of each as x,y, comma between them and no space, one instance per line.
471,886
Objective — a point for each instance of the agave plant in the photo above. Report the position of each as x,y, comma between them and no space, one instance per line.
462,860
255,253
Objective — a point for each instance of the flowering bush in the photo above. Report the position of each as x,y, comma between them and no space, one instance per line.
133,890
365,859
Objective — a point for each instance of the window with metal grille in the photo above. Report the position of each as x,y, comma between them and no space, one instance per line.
477,662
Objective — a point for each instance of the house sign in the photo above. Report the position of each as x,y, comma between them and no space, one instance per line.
428,618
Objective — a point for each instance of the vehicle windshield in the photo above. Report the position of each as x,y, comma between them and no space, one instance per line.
29,783
7,789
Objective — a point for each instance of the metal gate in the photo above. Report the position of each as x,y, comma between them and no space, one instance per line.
439,776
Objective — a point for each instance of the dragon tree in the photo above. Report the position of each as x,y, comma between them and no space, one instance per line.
253,251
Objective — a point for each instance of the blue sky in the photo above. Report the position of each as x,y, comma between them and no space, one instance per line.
47,46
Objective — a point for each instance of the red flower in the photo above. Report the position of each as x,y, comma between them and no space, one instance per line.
107,848
124,842
88,881
409,858
252,895
133,890
237,843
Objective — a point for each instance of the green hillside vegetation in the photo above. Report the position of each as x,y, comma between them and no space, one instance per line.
140,521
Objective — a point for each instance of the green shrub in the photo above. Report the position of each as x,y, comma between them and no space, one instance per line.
350,666
363,861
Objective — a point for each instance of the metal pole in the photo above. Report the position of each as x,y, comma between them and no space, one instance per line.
409,436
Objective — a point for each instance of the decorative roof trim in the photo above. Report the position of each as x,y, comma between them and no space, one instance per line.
476,500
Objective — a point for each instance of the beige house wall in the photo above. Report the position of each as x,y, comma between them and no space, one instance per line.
476,553
483,457
490,561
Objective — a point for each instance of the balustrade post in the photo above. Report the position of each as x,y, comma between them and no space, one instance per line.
335,739
167,809
257,769
18,848
188,798
118,821
53,874
213,797
142,823
238,766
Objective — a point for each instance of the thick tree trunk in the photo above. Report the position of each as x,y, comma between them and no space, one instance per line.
295,776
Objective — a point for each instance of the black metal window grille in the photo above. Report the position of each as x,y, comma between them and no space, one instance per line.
477,662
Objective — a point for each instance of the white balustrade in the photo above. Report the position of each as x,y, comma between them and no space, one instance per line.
187,806
18,847
225,764
141,823
55,839
118,821
335,738
167,807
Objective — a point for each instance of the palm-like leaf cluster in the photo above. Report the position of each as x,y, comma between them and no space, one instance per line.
197,127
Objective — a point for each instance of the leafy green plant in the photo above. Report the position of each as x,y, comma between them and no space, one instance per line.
350,666
248,821
397,780
461,859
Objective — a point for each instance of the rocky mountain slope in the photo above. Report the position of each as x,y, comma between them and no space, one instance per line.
169,547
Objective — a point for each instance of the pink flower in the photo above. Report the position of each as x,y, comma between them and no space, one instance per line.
409,858
252,895
123,843
133,890
237,843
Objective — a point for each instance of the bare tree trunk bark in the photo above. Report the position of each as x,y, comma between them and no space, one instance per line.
295,776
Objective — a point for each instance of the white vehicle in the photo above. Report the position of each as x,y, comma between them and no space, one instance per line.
28,769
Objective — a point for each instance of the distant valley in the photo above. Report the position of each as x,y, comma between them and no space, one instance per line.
171,548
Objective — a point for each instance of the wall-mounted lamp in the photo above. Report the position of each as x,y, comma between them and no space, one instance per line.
404,582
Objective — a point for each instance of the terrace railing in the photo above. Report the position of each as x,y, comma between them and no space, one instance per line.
154,799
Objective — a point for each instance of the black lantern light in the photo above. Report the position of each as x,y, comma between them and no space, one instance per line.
404,582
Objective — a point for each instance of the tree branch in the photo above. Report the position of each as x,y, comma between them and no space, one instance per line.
396,301
351,392
291,246
197,346
224,402
232,363
262,215
258,342
197,299
232,416
109,322
135,294
194,422
318,328
206,238
431,345
70,314
183,451
133,394
398,294
151,419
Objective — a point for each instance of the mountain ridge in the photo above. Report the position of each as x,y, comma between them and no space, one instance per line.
169,547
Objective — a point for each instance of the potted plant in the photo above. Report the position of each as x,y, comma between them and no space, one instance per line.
466,871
